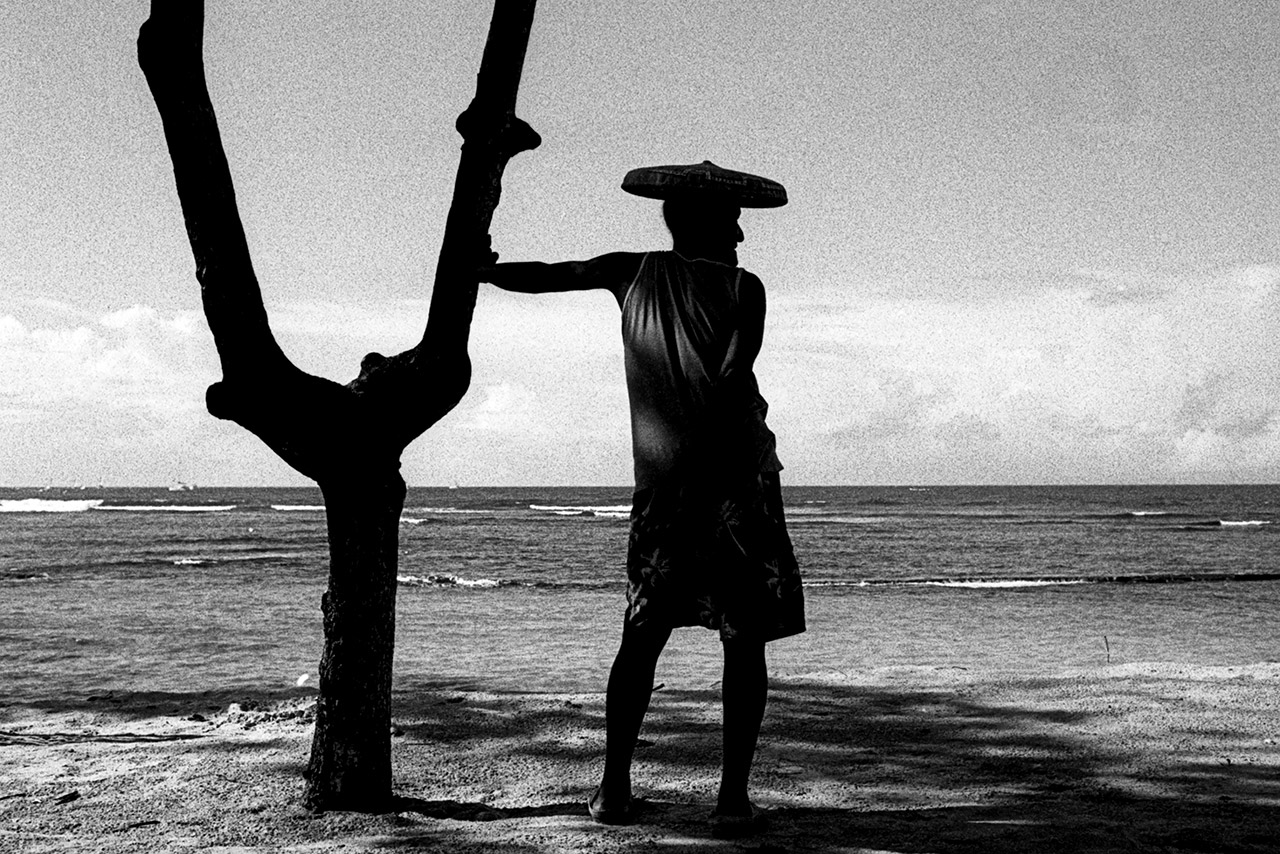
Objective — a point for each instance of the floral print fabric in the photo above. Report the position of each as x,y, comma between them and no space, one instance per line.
717,557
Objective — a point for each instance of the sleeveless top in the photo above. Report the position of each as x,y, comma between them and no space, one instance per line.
690,411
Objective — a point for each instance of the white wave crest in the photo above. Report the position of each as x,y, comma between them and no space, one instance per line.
450,510
838,520
1244,523
608,511
298,508
168,508
445,580
47,505
1010,583
243,557
189,561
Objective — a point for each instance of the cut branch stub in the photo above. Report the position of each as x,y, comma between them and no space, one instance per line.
503,134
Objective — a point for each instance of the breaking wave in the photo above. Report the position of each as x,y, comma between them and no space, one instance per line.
610,511
444,579
47,505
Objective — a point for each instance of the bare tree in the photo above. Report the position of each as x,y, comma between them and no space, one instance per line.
347,438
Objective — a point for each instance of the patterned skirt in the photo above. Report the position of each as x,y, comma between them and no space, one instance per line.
714,556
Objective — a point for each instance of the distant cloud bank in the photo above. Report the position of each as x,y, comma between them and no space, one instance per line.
1109,378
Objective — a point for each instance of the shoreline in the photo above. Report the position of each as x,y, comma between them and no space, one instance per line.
60,643
1135,756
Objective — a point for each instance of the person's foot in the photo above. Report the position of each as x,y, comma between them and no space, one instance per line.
733,800
738,821
612,809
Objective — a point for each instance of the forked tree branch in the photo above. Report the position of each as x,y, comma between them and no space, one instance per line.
323,429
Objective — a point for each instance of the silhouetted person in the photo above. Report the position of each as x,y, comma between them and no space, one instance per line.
708,543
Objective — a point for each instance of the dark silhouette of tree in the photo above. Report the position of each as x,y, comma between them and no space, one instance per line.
347,438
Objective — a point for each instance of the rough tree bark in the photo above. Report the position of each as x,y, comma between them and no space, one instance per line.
348,438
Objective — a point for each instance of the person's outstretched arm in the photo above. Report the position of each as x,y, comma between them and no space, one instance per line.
613,272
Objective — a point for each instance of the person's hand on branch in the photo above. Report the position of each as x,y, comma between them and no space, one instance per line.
486,260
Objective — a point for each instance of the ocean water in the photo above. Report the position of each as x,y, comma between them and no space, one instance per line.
522,588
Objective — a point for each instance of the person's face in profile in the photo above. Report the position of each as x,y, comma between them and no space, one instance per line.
705,229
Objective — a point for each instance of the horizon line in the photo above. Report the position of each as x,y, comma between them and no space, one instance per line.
184,487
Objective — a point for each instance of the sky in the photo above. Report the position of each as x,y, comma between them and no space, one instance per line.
1027,242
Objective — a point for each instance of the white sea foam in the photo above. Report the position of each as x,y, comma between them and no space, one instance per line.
449,510
1244,523
189,561
608,514
608,511
47,505
836,520
167,508
240,557
1013,582
607,508
445,580
974,584
298,508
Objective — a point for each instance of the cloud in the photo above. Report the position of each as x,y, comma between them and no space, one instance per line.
1045,383
119,397
548,401
132,359
502,407
1178,380
329,338
113,398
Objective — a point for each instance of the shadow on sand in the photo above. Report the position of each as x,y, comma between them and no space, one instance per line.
904,769
918,770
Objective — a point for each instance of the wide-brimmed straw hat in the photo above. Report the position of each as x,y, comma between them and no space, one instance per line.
705,180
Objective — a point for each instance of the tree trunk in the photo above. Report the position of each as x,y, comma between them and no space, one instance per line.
350,763
348,438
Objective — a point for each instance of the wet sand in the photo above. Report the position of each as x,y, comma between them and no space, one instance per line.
1120,757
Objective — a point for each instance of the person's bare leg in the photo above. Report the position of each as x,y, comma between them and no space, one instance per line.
745,691
627,700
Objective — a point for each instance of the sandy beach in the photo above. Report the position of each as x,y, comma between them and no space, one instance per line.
151,697
1128,757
